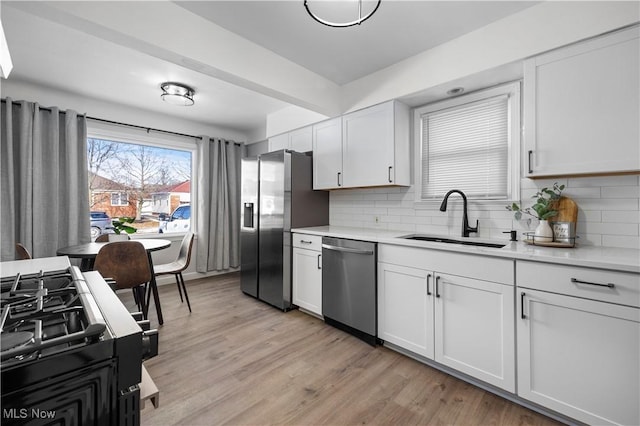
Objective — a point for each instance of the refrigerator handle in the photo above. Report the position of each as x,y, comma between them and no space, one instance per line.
248,215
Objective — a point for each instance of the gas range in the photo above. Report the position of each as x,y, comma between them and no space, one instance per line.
69,349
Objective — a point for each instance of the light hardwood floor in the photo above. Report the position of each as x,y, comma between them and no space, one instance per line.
238,361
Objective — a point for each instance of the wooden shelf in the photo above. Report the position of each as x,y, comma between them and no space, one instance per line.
148,390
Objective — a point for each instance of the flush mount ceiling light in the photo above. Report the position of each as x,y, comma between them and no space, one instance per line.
361,14
455,91
177,94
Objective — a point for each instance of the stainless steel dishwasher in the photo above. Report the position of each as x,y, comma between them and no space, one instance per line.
349,286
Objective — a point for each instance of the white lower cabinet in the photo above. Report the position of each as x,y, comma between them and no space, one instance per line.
578,356
405,308
461,322
307,273
474,329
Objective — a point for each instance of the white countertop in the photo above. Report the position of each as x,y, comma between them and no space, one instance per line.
618,259
33,266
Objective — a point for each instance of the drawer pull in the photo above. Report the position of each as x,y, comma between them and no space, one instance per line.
306,242
577,281
522,315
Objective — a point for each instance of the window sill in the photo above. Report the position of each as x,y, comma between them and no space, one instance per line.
489,204
173,236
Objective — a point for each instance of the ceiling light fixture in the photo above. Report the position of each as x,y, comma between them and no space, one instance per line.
177,94
361,17
455,91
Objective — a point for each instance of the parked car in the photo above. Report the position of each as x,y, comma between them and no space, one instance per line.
100,224
179,221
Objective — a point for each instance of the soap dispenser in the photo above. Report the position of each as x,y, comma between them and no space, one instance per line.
513,235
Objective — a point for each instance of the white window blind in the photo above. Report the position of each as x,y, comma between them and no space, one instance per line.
466,147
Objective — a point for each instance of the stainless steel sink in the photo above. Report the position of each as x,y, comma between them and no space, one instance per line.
446,240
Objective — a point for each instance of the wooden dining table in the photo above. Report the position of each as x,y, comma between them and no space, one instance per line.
87,253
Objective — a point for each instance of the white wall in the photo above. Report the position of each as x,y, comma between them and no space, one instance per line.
45,96
608,211
95,108
534,30
291,118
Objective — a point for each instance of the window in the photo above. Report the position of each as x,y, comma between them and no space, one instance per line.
119,199
182,212
137,173
470,143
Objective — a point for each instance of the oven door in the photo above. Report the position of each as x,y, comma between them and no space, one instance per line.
87,396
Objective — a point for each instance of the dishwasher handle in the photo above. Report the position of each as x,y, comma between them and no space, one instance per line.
346,249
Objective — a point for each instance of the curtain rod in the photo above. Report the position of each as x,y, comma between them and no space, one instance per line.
148,129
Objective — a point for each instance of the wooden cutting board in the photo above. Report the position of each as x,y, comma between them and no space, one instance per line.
567,211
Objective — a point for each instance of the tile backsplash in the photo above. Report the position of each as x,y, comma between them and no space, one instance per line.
608,211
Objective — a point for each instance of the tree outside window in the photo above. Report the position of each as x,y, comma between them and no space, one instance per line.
128,179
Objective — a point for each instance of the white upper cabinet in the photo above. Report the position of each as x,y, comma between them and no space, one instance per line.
327,154
371,150
375,146
279,142
299,140
582,105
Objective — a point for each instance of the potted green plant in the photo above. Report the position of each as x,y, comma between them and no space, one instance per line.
543,209
121,227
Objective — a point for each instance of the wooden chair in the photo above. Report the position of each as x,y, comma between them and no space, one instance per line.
22,253
179,265
105,238
127,263
102,238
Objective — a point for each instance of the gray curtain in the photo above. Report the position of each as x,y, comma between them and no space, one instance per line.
44,184
218,209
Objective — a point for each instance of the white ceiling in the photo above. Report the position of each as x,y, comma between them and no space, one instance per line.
92,62
398,30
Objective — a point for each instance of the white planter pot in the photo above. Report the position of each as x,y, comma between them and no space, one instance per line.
118,237
544,233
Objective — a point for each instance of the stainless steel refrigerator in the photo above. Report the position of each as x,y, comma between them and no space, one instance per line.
277,195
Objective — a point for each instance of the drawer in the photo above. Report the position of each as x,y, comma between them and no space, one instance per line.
485,268
305,241
597,284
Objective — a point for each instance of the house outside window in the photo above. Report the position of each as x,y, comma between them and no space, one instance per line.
119,199
470,143
128,168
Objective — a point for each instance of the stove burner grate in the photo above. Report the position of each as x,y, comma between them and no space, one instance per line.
55,309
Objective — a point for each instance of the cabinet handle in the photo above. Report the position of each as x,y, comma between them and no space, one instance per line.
437,285
428,279
319,261
530,164
339,173
390,180
577,281
306,242
522,315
